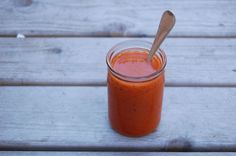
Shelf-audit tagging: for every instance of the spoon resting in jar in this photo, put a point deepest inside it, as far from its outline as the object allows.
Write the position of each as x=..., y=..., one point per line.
x=166, y=24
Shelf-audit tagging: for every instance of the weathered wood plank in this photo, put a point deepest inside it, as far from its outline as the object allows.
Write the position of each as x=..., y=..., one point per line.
x=66, y=61
x=75, y=118
x=114, y=18
x=17, y=153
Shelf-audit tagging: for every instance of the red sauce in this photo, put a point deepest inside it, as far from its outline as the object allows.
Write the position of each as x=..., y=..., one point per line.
x=134, y=64
x=135, y=107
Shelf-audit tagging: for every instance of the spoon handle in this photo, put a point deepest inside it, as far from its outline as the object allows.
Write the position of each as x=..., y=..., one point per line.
x=166, y=24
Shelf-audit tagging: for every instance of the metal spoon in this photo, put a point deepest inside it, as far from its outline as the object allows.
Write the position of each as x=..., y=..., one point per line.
x=166, y=24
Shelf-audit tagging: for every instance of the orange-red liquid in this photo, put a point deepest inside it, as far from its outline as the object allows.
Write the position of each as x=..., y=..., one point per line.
x=135, y=107
x=134, y=64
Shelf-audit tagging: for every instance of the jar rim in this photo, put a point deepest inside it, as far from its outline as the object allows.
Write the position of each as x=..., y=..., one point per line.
x=153, y=75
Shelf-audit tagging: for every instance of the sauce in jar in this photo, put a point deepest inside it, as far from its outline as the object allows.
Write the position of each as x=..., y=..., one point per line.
x=135, y=92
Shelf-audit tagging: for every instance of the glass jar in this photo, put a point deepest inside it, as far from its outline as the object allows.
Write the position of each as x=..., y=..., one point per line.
x=135, y=103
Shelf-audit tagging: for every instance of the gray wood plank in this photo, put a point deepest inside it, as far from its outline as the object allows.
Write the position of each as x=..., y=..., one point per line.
x=75, y=118
x=67, y=61
x=115, y=18
x=17, y=153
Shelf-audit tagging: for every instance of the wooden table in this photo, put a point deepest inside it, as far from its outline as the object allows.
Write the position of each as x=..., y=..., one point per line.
x=53, y=97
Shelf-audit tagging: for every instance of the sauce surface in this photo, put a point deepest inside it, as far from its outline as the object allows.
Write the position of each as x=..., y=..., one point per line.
x=134, y=64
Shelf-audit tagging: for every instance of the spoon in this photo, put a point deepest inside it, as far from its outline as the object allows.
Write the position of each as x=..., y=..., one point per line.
x=166, y=24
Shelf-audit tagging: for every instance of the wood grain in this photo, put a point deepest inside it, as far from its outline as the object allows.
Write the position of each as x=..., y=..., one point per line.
x=17, y=153
x=115, y=18
x=66, y=61
x=75, y=118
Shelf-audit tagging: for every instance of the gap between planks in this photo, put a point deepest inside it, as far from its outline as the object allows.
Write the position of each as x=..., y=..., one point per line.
x=114, y=149
x=117, y=36
x=56, y=153
x=100, y=84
